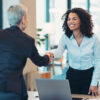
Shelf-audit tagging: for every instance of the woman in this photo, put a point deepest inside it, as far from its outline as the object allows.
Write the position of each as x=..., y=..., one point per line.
x=15, y=48
x=83, y=53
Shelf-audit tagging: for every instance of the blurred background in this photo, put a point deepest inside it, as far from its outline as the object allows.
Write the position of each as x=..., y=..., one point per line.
x=51, y=11
x=45, y=25
x=48, y=19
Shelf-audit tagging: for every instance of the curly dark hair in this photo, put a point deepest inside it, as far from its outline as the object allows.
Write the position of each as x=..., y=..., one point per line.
x=86, y=22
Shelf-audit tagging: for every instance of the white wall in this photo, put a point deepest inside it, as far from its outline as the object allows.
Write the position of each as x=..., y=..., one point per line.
x=40, y=13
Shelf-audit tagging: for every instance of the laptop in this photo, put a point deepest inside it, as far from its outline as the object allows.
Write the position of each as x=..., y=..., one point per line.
x=51, y=89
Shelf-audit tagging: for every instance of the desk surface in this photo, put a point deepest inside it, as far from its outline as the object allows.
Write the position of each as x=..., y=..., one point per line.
x=86, y=97
x=33, y=95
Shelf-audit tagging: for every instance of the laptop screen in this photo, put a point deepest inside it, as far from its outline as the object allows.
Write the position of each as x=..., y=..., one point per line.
x=50, y=89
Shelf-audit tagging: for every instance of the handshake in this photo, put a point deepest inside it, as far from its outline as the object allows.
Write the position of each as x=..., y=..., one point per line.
x=51, y=56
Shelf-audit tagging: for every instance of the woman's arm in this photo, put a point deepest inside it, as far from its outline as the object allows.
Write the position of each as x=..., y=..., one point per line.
x=61, y=48
x=96, y=73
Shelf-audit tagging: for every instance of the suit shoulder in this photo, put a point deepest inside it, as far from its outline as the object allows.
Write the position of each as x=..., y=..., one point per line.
x=29, y=37
x=4, y=31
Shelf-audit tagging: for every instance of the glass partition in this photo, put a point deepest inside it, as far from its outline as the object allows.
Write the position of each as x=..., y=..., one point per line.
x=79, y=3
x=95, y=12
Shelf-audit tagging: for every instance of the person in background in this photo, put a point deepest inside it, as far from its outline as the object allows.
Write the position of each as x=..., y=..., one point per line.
x=15, y=47
x=83, y=51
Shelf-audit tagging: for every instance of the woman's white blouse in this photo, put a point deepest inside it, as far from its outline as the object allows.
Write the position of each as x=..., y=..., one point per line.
x=81, y=57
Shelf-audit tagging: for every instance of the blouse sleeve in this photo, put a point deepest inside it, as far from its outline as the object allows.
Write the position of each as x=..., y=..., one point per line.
x=61, y=48
x=96, y=72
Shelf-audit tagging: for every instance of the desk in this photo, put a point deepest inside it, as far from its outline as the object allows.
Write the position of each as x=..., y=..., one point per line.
x=85, y=96
x=33, y=95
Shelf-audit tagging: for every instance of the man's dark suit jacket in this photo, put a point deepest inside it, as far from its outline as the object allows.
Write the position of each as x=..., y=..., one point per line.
x=15, y=48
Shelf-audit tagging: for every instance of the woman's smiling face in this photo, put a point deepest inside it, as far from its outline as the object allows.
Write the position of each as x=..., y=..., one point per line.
x=73, y=22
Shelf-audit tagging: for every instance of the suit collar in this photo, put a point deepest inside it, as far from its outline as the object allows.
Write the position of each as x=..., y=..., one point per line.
x=15, y=28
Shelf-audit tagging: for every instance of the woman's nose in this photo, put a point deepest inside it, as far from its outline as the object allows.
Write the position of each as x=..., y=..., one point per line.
x=71, y=21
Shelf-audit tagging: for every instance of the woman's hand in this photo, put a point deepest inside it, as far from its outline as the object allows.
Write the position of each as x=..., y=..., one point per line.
x=93, y=90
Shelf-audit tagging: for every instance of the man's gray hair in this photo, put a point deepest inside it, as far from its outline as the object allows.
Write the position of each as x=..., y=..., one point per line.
x=15, y=14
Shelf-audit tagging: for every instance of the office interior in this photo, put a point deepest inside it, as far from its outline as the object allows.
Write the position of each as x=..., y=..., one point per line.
x=45, y=25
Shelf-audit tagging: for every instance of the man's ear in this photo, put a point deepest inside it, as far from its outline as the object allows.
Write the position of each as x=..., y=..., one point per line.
x=23, y=20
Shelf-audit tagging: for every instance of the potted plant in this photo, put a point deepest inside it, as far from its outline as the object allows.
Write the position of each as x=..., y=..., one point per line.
x=41, y=37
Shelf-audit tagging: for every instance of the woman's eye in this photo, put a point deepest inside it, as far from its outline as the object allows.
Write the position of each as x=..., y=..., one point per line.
x=74, y=18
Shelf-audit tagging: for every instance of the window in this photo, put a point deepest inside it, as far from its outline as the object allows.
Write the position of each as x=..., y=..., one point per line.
x=57, y=9
x=95, y=12
x=79, y=3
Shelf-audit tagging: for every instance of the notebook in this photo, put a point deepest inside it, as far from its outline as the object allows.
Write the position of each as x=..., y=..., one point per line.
x=51, y=89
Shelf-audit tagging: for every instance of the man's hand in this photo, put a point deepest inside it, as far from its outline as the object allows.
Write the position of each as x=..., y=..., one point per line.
x=93, y=90
x=51, y=56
